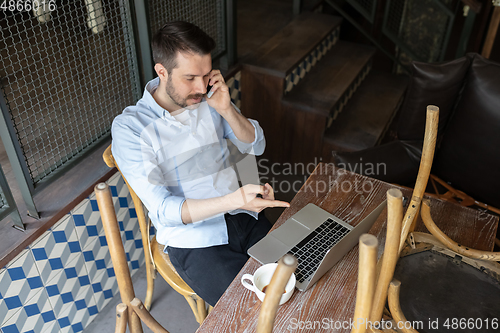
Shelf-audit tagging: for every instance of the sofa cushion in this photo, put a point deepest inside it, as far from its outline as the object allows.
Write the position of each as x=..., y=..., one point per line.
x=469, y=154
x=430, y=84
x=394, y=162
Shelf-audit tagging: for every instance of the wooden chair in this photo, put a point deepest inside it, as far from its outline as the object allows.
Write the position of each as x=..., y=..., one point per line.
x=156, y=259
x=131, y=311
x=450, y=243
x=372, y=292
x=424, y=171
x=400, y=230
x=371, y=298
x=398, y=227
x=456, y=196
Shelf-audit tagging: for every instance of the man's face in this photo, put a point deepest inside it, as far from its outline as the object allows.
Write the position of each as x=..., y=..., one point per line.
x=188, y=81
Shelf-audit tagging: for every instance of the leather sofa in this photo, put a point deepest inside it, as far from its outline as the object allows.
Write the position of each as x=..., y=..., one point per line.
x=467, y=156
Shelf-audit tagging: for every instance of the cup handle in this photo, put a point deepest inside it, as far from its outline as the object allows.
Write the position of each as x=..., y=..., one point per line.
x=245, y=283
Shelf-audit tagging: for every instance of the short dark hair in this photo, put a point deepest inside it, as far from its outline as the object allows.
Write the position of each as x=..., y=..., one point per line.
x=179, y=36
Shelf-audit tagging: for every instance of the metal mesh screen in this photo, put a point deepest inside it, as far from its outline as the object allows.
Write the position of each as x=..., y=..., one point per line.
x=366, y=4
x=3, y=201
x=206, y=14
x=420, y=26
x=5, y=196
x=365, y=7
x=66, y=71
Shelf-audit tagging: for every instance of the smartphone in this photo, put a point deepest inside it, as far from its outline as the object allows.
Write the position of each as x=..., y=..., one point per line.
x=209, y=93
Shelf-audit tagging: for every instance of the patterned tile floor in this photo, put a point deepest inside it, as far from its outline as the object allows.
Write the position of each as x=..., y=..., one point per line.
x=63, y=279
x=169, y=308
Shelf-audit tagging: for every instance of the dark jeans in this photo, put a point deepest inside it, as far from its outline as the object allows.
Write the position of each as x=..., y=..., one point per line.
x=209, y=271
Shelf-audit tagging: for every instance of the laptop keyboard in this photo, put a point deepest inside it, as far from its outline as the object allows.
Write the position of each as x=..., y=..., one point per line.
x=311, y=250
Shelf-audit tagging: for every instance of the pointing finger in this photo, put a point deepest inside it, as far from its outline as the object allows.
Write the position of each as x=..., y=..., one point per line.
x=277, y=203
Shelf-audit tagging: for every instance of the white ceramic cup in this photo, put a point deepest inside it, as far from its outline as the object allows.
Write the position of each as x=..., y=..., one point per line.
x=262, y=277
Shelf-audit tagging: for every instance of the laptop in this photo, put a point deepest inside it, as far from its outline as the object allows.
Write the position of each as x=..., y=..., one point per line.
x=317, y=238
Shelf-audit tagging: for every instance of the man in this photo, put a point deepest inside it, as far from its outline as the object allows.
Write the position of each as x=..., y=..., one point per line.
x=172, y=149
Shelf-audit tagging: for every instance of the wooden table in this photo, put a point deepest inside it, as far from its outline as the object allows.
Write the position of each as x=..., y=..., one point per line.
x=330, y=302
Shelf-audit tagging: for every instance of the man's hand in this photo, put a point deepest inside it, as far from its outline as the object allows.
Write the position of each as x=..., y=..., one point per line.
x=220, y=100
x=246, y=198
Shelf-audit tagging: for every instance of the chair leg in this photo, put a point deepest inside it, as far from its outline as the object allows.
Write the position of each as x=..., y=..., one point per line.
x=121, y=318
x=146, y=317
x=430, y=137
x=113, y=238
x=202, y=309
x=395, y=307
x=194, y=307
x=391, y=254
x=367, y=268
x=150, y=276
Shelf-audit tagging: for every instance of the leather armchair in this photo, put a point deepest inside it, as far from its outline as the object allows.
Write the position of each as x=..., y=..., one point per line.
x=467, y=91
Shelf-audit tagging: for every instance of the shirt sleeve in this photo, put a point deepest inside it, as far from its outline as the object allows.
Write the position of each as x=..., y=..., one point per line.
x=259, y=143
x=138, y=164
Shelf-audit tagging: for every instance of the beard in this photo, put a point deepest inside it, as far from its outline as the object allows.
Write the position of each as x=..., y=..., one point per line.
x=176, y=98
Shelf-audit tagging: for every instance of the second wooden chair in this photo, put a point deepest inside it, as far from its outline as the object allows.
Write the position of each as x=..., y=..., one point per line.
x=156, y=259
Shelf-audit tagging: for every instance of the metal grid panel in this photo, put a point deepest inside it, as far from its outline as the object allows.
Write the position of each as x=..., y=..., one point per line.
x=7, y=204
x=365, y=7
x=420, y=27
x=3, y=202
x=66, y=72
x=366, y=4
x=207, y=14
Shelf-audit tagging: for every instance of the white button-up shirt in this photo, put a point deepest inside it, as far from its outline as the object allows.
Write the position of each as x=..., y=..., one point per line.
x=166, y=161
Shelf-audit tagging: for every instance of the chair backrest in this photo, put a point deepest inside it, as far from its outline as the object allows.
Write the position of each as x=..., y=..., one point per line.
x=153, y=250
x=144, y=224
x=117, y=252
x=136, y=311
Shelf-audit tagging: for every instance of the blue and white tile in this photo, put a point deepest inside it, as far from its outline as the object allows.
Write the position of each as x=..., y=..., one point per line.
x=135, y=254
x=87, y=221
x=97, y=257
x=234, y=84
x=52, y=328
x=114, y=179
x=36, y=315
x=116, y=184
x=132, y=240
x=19, y=283
x=56, y=249
x=298, y=73
x=76, y=316
x=124, y=197
x=64, y=288
x=104, y=287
